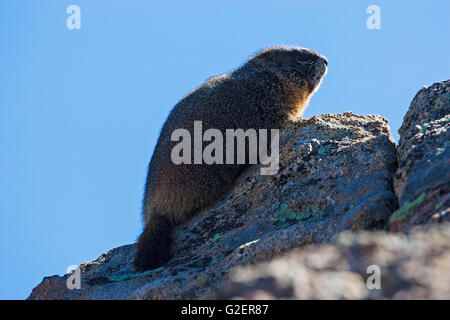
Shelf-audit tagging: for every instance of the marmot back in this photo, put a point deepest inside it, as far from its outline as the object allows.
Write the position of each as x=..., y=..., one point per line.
x=273, y=87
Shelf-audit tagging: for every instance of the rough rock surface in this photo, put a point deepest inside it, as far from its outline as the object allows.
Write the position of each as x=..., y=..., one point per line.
x=422, y=181
x=413, y=266
x=335, y=174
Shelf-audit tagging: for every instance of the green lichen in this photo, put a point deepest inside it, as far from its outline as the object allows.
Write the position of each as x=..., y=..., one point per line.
x=423, y=128
x=217, y=237
x=406, y=209
x=305, y=214
x=246, y=260
x=259, y=179
x=133, y=275
x=442, y=100
x=317, y=215
x=310, y=213
x=285, y=212
x=440, y=204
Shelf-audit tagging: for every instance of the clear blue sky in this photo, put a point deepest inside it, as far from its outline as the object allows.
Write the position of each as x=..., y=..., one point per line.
x=80, y=110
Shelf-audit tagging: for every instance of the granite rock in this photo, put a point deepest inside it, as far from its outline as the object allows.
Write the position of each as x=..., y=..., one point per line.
x=422, y=181
x=336, y=174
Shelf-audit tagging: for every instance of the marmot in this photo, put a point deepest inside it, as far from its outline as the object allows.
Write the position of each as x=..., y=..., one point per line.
x=273, y=87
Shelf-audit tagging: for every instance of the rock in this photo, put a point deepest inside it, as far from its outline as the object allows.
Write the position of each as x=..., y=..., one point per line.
x=422, y=181
x=336, y=174
x=413, y=266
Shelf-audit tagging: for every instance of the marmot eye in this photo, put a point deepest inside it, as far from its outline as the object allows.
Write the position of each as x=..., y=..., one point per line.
x=305, y=57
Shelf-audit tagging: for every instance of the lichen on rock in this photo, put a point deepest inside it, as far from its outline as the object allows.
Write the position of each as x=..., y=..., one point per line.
x=338, y=173
x=323, y=169
x=424, y=160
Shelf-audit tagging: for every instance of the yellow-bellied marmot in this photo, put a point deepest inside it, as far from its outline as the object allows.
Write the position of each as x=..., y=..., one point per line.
x=273, y=87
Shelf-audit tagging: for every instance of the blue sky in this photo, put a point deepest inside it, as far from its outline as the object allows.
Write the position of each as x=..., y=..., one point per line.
x=80, y=110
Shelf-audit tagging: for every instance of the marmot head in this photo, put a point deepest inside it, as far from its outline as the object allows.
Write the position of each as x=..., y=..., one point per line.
x=299, y=66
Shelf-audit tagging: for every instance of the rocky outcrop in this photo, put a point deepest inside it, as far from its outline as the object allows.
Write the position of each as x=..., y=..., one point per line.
x=335, y=175
x=277, y=236
x=413, y=266
x=422, y=181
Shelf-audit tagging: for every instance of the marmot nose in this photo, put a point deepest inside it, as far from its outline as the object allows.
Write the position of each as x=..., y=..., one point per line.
x=324, y=60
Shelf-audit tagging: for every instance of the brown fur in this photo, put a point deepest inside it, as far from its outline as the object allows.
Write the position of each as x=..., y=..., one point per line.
x=273, y=87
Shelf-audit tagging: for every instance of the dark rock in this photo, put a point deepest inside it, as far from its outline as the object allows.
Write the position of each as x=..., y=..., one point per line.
x=422, y=181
